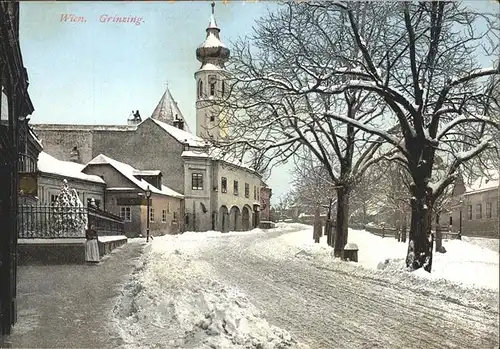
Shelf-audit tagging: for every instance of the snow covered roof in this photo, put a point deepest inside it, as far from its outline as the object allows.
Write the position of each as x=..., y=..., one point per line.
x=35, y=137
x=195, y=154
x=230, y=158
x=75, y=127
x=128, y=172
x=211, y=67
x=181, y=135
x=49, y=164
x=147, y=173
x=484, y=183
x=212, y=41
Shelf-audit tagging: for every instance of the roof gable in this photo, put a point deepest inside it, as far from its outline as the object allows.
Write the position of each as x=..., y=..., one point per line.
x=168, y=111
x=49, y=164
x=128, y=172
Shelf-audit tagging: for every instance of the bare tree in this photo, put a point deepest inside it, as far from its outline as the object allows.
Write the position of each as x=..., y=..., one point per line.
x=396, y=193
x=367, y=194
x=291, y=53
x=312, y=184
x=285, y=203
x=424, y=67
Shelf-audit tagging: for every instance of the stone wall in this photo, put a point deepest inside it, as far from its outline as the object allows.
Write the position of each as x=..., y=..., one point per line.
x=59, y=140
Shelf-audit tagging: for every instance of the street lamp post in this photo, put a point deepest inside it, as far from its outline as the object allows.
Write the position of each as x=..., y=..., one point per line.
x=460, y=221
x=148, y=195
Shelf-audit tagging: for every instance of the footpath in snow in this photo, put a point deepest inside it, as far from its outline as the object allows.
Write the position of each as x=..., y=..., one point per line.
x=469, y=262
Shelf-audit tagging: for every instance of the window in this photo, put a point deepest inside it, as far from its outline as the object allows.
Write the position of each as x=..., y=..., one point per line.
x=197, y=181
x=247, y=190
x=212, y=80
x=451, y=220
x=168, y=206
x=175, y=215
x=200, y=88
x=164, y=216
x=479, y=211
x=151, y=215
x=235, y=187
x=254, y=192
x=469, y=212
x=212, y=117
x=488, y=210
x=125, y=214
x=53, y=198
x=223, y=185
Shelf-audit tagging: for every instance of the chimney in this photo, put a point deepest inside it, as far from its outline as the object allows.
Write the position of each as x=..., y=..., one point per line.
x=134, y=118
x=179, y=123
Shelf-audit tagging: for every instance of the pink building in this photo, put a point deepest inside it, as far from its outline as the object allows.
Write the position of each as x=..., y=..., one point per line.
x=265, y=202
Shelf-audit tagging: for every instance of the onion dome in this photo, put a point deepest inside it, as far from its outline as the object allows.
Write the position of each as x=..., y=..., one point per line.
x=212, y=50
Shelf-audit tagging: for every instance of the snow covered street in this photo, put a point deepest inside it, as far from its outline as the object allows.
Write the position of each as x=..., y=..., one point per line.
x=276, y=289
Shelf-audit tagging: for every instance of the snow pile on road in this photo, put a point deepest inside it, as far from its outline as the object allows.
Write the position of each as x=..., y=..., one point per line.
x=465, y=263
x=174, y=300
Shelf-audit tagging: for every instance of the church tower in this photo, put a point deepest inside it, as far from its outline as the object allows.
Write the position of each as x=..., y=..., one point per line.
x=210, y=84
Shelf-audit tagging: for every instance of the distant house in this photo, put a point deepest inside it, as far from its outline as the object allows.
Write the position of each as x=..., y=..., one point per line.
x=125, y=196
x=52, y=172
x=265, y=201
x=479, y=204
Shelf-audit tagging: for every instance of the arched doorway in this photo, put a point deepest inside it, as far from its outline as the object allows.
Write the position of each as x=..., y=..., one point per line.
x=235, y=219
x=223, y=223
x=245, y=218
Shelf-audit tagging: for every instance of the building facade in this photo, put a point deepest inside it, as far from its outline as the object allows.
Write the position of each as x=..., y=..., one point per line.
x=125, y=196
x=265, y=202
x=15, y=106
x=164, y=142
x=475, y=207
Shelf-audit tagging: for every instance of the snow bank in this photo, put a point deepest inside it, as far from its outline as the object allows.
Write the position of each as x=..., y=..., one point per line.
x=110, y=238
x=491, y=244
x=464, y=263
x=175, y=300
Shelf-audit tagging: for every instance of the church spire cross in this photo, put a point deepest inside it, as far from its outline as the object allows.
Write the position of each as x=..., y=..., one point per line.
x=213, y=7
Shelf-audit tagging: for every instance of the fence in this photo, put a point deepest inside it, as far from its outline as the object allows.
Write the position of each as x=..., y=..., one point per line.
x=47, y=221
x=392, y=232
x=105, y=223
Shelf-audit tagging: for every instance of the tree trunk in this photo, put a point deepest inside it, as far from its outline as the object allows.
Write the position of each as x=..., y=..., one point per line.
x=328, y=226
x=398, y=228
x=316, y=226
x=439, y=236
x=404, y=227
x=342, y=221
x=364, y=214
x=419, y=246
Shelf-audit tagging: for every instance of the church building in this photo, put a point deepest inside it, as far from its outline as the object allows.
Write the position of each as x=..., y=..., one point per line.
x=219, y=193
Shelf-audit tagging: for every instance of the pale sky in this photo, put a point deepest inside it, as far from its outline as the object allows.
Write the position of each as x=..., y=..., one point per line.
x=96, y=73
